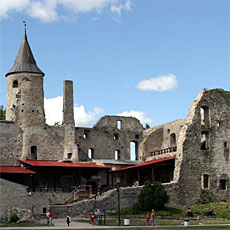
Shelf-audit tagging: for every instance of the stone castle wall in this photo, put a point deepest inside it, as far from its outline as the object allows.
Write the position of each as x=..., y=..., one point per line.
x=10, y=143
x=214, y=161
x=160, y=137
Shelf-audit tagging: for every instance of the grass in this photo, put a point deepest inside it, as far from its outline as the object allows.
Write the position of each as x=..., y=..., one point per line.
x=21, y=224
x=159, y=222
x=220, y=210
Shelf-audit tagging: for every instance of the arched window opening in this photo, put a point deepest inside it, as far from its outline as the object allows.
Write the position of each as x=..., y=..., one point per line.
x=204, y=115
x=206, y=181
x=204, y=140
x=15, y=84
x=173, y=140
x=90, y=153
x=33, y=151
x=133, y=151
x=119, y=124
x=117, y=155
x=69, y=155
x=116, y=136
x=85, y=135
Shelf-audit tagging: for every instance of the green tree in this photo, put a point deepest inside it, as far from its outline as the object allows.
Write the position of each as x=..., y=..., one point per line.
x=2, y=113
x=152, y=196
x=147, y=126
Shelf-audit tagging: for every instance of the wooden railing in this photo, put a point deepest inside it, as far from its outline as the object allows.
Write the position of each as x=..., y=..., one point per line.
x=163, y=151
x=102, y=191
x=81, y=192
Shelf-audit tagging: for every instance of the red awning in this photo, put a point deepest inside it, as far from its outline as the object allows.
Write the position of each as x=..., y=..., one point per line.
x=146, y=163
x=15, y=169
x=62, y=164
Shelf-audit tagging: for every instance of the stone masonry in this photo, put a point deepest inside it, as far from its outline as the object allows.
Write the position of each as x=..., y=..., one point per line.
x=199, y=143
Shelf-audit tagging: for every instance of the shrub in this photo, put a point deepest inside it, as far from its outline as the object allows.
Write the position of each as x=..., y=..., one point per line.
x=151, y=196
x=14, y=218
x=206, y=197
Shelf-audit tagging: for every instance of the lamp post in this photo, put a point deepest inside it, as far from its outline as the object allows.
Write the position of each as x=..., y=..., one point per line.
x=118, y=200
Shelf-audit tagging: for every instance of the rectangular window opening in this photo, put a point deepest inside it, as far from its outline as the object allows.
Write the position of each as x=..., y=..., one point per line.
x=223, y=184
x=206, y=181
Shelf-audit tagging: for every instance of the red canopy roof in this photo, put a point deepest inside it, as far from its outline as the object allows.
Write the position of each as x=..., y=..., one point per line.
x=62, y=164
x=15, y=169
x=146, y=163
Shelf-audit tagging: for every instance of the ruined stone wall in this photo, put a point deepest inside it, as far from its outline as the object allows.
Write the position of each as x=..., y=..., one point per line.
x=127, y=123
x=193, y=162
x=14, y=141
x=128, y=196
x=16, y=195
x=105, y=141
x=48, y=140
x=159, y=138
x=10, y=143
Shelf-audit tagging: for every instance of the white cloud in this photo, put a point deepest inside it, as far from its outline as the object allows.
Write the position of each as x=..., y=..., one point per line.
x=53, y=111
x=7, y=6
x=49, y=10
x=160, y=83
x=140, y=115
x=44, y=10
x=121, y=7
x=84, y=5
x=85, y=119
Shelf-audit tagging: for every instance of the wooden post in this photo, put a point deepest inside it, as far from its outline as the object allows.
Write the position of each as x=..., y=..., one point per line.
x=153, y=176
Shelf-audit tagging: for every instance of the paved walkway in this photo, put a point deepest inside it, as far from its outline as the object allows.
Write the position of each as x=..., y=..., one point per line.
x=61, y=224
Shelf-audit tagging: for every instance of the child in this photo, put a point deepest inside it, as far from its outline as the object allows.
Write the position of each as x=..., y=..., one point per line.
x=68, y=219
x=147, y=219
x=92, y=218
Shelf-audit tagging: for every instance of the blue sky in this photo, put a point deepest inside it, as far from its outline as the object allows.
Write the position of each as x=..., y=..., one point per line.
x=147, y=59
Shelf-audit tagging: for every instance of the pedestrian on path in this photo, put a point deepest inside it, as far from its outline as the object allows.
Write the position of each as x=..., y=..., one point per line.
x=51, y=218
x=147, y=219
x=152, y=217
x=92, y=218
x=68, y=219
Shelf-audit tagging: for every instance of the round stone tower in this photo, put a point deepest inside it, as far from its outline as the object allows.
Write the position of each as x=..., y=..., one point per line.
x=25, y=95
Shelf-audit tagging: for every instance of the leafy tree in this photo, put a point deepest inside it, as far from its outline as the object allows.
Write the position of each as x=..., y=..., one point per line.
x=147, y=126
x=152, y=196
x=2, y=113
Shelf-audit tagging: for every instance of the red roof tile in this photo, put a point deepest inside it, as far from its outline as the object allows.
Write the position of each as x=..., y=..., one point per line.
x=62, y=164
x=15, y=169
x=146, y=163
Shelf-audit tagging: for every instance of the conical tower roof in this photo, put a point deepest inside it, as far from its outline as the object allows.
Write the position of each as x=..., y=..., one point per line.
x=25, y=61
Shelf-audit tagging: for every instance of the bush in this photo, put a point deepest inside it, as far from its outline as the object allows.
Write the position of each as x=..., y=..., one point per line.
x=14, y=218
x=206, y=197
x=151, y=196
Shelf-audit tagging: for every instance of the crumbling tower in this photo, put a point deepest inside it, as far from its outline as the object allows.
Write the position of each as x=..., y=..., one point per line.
x=70, y=147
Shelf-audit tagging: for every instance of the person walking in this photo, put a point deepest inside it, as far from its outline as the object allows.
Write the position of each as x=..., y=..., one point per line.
x=47, y=217
x=51, y=218
x=147, y=219
x=152, y=217
x=68, y=219
x=92, y=218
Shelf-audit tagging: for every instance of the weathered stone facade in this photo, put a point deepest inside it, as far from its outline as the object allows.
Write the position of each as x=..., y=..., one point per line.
x=199, y=143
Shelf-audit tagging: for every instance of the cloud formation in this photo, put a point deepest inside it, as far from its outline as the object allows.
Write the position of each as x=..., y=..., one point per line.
x=140, y=115
x=160, y=83
x=49, y=10
x=53, y=111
